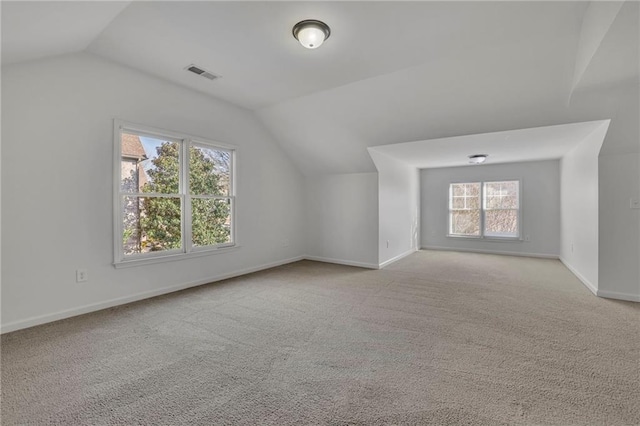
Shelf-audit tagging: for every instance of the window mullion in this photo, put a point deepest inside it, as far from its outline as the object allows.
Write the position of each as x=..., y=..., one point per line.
x=118, y=227
x=150, y=194
x=210, y=197
x=232, y=203
x=482, y=209
x=186, y=198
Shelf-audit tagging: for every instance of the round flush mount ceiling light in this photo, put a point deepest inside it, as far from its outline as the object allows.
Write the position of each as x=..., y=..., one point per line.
x=478, y=158
x=311, y=33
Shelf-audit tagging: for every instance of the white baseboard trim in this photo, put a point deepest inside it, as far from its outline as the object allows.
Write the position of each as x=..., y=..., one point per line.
x=68, y=313
x=342, y=262
x=588, y=284
x=398, y=257
x=502, y=253
x=619, y=296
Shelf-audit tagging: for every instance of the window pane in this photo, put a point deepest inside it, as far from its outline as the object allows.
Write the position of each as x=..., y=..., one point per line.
x=131, y=235
x=457, y=189
x=465, y=203
x=493, y=202
x=510, y=202
x=209, y=171
x=509, y=187
x=465, y=189
x=501, y=223
x=162, y=169
x=457, y=203
x=465, y=222
x=211, y=221
x=473, y=202
x=149, y=165
x=491, y=189
x=133, y=155
x=464, y=196
x=151, y=224
x=473, y=189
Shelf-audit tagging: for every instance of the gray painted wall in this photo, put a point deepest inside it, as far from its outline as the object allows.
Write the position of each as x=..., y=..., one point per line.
x=342, y=219
x=398, y=208
x=579, y=208
x=540, y=201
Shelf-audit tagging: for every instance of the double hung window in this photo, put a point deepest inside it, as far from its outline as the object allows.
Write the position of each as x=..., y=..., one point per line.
x=485, y=209
x=464, y=209
x=175, y=194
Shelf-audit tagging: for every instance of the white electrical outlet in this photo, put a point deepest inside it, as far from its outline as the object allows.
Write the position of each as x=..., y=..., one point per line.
x=527, y=238
x=634, y=203
x=81, y=275
x=387, y=243
x=285, y=242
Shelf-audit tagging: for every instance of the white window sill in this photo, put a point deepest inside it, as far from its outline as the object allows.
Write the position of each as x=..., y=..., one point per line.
x=128, y=263
x=482, y=238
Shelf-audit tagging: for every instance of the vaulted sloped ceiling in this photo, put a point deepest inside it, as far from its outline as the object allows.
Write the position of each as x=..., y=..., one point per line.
x=38, y=29
x=391, y=72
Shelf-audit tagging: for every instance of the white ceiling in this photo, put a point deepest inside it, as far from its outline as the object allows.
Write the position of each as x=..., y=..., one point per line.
x=512, y=146
x=618, y=57
x=32, y=30
x=251, y=46
x=391, y=72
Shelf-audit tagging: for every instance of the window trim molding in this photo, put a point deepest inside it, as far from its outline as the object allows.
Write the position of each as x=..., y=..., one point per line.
x=188, y=250
x=482, y=237
x=162, y=258
x=449, y=234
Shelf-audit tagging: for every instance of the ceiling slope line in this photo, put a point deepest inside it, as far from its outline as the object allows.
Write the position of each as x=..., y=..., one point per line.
x=125, y=5
x=597, y=21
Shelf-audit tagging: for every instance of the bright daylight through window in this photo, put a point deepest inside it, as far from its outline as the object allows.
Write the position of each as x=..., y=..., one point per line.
x=175, y=194
x=485, y=209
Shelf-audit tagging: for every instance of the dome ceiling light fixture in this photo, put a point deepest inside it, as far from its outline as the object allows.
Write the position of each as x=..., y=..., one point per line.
x=478, y=158
x=311, y=33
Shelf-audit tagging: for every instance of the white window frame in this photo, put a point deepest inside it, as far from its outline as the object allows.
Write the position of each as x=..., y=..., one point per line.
x=482, y=235
x=449, y=203
x=187, y=250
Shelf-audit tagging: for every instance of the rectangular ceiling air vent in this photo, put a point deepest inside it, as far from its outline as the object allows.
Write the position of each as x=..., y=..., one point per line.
x=201, y=72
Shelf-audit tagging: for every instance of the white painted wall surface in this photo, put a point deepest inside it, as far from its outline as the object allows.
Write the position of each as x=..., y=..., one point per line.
x=619, y=181
x=619, y=276
x=579, y=208
x=57, y=194
x=540, y=197
x=399, y=208
x=342, y=218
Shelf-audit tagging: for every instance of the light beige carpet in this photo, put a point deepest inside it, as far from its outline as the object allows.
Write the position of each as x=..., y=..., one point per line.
x=437, y=338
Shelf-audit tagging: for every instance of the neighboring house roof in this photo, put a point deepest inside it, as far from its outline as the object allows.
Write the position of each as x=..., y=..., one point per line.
x=132, y=147
x=142, y=177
